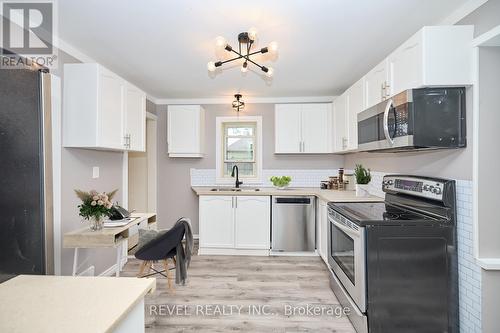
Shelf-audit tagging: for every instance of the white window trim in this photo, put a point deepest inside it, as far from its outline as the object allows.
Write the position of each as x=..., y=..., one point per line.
x=219, y=134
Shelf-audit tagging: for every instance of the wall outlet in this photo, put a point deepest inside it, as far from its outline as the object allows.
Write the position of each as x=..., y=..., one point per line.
x=95, y=172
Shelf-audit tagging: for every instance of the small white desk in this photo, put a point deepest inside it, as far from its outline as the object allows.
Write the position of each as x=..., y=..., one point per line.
x=107, y=238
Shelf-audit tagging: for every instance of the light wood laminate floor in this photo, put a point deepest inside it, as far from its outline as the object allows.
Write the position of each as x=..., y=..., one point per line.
x=226, y=293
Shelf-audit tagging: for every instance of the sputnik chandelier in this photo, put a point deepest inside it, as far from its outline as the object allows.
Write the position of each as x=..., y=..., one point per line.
x=238, y=104
x=245, y=40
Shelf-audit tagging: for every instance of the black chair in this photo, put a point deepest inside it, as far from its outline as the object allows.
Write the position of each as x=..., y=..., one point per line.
x=161, y=248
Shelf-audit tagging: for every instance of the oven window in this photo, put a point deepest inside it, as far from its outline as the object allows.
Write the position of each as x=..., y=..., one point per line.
x=343, y=251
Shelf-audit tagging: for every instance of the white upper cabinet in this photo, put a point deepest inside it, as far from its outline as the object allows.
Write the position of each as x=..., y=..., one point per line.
x=316, y=128
x=101, y=110
x=434, y=56
x=110, y=110
x=355, y=104
x=376, y=82
x=185, y=132
x=340, y=124
x=135, y=118
x=288, y=128
x=303, y=128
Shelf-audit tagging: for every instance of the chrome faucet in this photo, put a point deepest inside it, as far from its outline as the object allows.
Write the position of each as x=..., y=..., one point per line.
x=238, y=182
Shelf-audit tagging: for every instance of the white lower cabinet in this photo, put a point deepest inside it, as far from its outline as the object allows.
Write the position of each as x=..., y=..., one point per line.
x=252, y=222
x=216, y=221
x=235, y=224
x=322, y=230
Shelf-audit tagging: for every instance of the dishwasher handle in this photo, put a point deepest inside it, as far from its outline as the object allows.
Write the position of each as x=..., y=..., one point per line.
x=293, y=200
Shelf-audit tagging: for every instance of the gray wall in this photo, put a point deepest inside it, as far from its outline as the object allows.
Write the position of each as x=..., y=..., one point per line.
x=175, y=197
x=77, y=174
x=485, y=18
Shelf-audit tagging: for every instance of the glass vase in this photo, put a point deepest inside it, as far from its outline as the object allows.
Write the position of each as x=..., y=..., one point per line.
x=96, y=223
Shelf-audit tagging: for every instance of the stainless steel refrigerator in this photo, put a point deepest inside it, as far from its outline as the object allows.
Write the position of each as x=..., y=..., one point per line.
x=26, y=216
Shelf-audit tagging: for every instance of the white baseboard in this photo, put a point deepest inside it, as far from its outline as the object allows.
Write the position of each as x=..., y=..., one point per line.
x=293, y=254
x=232, y=252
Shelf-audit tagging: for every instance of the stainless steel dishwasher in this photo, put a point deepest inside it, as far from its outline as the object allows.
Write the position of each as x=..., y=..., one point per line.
x=293, y=224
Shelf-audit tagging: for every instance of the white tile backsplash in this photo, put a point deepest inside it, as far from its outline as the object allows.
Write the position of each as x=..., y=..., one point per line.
x=300, y=178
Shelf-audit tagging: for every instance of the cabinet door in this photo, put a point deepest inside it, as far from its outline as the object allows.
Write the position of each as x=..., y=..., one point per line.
x=316, y=128
x=135, y=109
x=216, y=221
x=287, y=128
x=375, y=80
x=340, y=123
x=184, y=130
x=110, y=113
x=355, y=104
x=253, y=222
x=406, y=66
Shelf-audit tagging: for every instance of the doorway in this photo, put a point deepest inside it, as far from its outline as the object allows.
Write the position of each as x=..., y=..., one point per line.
x=142, y=172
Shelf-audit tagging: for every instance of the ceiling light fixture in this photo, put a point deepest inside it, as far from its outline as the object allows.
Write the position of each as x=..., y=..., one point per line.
x=238, y=104
x=245, y=41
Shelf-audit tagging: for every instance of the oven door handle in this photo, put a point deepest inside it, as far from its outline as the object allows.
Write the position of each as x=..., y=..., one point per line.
x=386, y=122
x=347, y=230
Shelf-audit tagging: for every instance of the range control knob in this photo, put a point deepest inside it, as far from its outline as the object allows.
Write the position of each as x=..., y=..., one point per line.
x=437, y=190
x=390, y=182
x=426, y=188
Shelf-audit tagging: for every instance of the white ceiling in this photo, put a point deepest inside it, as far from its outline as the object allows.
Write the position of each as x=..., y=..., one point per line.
x=163, y=46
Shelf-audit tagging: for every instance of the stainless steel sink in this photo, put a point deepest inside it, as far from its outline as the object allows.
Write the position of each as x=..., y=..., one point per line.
x=233, y=189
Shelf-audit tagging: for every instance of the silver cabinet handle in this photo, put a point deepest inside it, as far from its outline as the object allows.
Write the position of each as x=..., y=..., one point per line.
x=232, y=202
x=236, y=202
x=387, y=90
x=300, y=146
x=382, y=90
x=344, y=142
x=303, y=146
x=126, y=139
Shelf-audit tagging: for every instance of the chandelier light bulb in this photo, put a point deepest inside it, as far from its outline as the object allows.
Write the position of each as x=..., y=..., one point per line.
x=252, y=33
x=273, y=47
x=270, y=72
x=244, y=67
x=211, y=66
x=220, y=42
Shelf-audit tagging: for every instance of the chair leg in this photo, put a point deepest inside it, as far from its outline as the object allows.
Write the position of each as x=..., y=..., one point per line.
x=142, y=268
x=148, y=265
x=169, y=274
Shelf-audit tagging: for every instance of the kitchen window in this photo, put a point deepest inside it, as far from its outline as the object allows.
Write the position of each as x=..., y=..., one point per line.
x=239, y=143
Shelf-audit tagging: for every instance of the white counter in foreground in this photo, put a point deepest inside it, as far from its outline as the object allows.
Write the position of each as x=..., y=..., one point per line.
x=52, y=304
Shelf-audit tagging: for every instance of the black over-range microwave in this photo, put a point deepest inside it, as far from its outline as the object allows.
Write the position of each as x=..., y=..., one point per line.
x=427, y=118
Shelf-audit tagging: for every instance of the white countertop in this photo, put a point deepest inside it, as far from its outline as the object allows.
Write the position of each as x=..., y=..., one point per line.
x=327, y=195
x=52, y=304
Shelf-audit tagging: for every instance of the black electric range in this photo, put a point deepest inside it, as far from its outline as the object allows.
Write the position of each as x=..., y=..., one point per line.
x=396, y=261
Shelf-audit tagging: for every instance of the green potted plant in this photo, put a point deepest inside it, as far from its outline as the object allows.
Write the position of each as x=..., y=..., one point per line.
x=281, y=182
x=363, y=177
x=95, y=207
